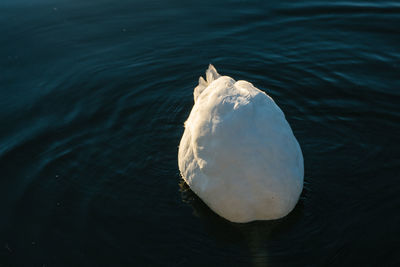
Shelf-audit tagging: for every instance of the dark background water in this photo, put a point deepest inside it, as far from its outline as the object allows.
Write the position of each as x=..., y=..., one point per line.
x=93, y=96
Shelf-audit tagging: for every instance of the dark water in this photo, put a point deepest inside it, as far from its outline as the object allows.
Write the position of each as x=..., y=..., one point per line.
x=93, y=96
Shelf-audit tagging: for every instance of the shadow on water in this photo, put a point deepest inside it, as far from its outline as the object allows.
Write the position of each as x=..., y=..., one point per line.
x=255, y=235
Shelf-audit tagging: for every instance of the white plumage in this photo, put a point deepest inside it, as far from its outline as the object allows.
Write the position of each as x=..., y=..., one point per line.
x=238, y=152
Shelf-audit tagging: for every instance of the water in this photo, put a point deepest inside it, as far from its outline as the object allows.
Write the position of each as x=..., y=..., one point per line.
x=93, y=96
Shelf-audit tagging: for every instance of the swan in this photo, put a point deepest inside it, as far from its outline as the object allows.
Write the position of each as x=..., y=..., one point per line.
x=238, y=152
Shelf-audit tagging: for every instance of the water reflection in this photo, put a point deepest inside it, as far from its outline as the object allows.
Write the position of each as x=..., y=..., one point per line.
x=255, y=235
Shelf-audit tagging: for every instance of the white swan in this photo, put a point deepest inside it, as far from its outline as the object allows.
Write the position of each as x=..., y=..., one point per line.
x=238, y=152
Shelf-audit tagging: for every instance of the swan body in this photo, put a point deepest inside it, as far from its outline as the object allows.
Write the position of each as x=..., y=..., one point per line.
x=238, y=152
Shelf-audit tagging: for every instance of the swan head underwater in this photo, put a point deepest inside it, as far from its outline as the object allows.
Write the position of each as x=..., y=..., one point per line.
x=238, y=152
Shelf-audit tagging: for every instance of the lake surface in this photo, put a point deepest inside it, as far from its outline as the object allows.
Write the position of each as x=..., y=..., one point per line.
x=93, y=97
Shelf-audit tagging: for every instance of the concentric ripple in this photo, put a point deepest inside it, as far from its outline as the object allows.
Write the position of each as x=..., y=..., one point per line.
x=93, y=97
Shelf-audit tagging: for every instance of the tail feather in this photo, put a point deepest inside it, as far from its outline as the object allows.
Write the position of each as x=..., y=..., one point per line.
x=211, y=75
